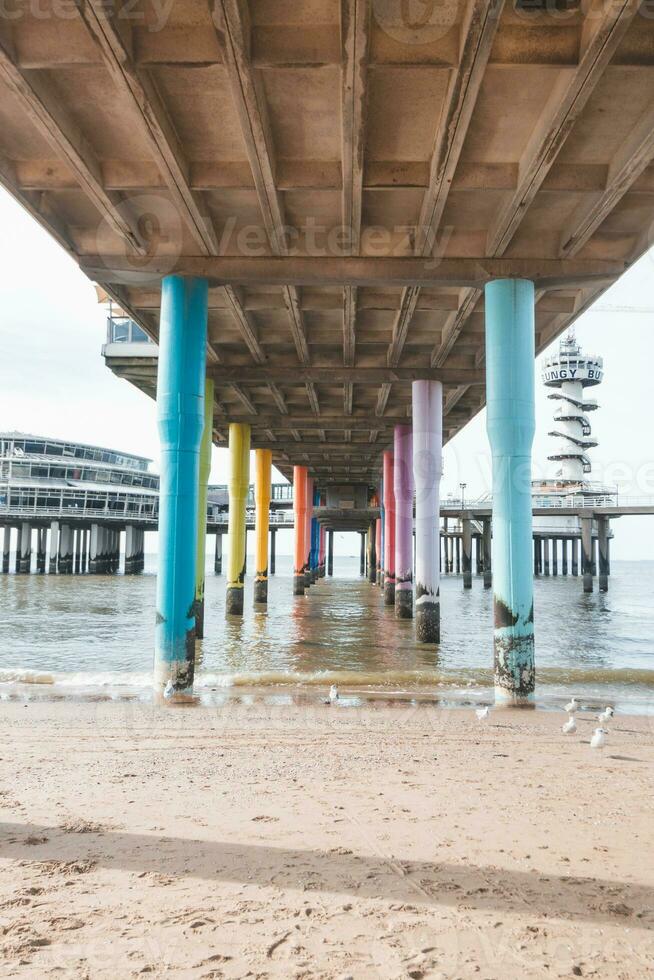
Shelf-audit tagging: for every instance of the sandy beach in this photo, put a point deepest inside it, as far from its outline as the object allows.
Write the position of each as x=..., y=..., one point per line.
x=322, y=842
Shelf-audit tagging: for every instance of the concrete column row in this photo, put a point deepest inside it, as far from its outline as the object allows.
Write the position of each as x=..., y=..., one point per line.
x=595, y=554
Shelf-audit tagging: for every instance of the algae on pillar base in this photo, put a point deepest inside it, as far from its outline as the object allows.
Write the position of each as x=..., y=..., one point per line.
x=239, y=485
x=510, y=346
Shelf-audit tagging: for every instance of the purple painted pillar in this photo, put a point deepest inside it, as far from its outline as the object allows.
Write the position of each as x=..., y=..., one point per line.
x=427, y=471
x=403, y=486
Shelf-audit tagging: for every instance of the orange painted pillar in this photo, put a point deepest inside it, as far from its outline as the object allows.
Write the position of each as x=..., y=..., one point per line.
x=300, y=515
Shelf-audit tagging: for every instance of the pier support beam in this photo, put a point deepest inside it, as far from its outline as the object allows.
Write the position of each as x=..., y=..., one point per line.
x=330, y=553
x=273, y=550
x=362, y=554
x=389, y=530
x=203, y=484
x=180, y=415
x=378, y=551
x=25, y=557
x=427, y=402
x=486, y=539
x=94, y=550
x=239, y=485
x=17, y=553
x=322, y=552
x=574, y=547
x=300, y=517
x=564, y=556
x=218, y=554
x=372, y=553
x=77, y=549
x=315, y=538
x=262, y=491
x=40, y=549
x=403, y=486
x=555, y=556
x=308, y=580
x=130, y=549
x=85, y=550
x=6, y=549
x=603, y=542
x=54, y=547
x=466, y=541
x=546, y=556
x=587, y=553
x=511, y=425
x=65, y=562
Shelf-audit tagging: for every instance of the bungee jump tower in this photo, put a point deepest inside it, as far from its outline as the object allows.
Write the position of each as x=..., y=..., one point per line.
x=569, y=373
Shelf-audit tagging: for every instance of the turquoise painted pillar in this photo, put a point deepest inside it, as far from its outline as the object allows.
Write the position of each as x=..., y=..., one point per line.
x=510, y=425
x=180, y=413
x=315, y=539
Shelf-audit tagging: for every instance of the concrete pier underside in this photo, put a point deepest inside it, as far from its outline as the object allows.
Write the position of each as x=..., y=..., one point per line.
x=344, y=229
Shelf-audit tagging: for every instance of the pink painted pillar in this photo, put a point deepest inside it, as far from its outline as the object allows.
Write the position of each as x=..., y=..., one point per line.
x=389, y=530
x=403, y=486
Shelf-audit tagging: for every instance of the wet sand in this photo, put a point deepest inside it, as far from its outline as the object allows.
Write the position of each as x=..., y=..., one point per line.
x=322, y=842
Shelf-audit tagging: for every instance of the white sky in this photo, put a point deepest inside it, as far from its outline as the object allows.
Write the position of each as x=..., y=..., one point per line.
x=53, y=380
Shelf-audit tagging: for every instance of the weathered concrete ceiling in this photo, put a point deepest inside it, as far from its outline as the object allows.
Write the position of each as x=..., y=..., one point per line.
x=347, y=178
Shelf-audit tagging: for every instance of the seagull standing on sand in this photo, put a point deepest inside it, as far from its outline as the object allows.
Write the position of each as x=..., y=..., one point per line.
x=571, y=706
x=606, y=715
x=169, y=691
x=598, y=741
x=333, y=695
x=570, y=726
x=482, y=713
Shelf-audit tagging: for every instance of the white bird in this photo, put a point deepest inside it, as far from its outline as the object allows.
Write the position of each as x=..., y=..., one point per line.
x=606, y=715
x=333, y=695
x=169, y=690
x=571, y=706
x=598, y=741
x=482, y=713
x=570, y=726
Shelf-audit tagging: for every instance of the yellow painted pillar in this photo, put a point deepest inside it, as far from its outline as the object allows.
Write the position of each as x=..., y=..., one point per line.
x=205, y=470
x=262, y=491
x=239, y=483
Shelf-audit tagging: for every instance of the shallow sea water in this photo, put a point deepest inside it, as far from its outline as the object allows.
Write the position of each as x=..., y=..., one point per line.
x=92, y=636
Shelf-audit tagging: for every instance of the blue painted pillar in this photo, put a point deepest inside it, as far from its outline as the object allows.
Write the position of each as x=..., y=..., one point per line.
x=511, y=424
x=180, y=413
x=315, y=538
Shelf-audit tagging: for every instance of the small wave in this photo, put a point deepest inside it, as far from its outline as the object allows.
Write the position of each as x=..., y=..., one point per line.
x=20, y=676
x=389, y=679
